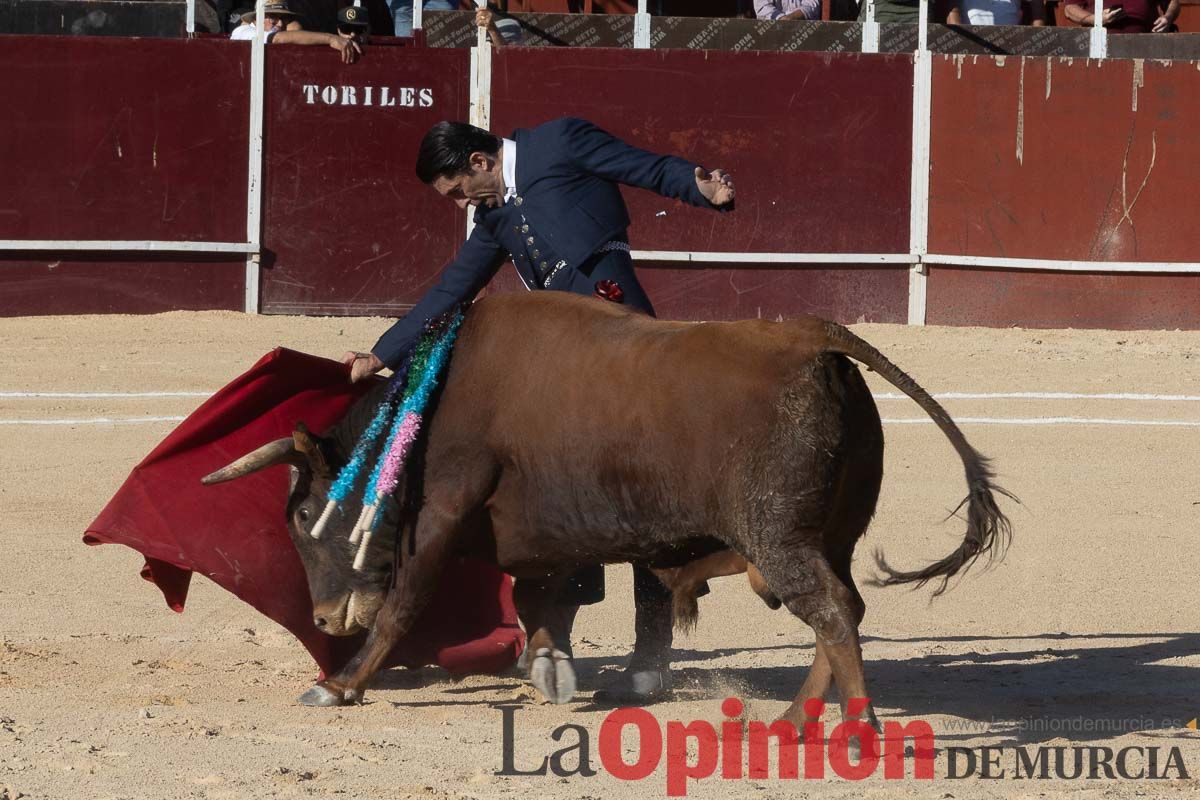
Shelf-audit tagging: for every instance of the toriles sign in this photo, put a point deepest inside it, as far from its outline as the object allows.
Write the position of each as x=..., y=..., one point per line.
x=381, y=96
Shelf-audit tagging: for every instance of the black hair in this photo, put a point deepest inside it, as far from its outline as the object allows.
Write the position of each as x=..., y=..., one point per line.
x=447, y=147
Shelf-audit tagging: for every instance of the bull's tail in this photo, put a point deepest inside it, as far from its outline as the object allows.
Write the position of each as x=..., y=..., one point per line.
x=988, y=530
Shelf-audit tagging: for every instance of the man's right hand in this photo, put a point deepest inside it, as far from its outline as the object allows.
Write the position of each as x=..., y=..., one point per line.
x=362, y=365
x=348, y=48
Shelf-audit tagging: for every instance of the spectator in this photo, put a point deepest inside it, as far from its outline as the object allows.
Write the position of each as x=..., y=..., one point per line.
x=281, y=27
x=892, y=11
x=402, y=12
x=276, y=17
x=354, y=23
x=1128, y=16
x=994, y=12
x=787, y=9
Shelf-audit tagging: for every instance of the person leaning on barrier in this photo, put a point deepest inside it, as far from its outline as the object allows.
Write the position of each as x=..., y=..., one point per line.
x=994, y=12
x=1126, y=16
x=787, y=9
x=281, y=27
x=549, y=198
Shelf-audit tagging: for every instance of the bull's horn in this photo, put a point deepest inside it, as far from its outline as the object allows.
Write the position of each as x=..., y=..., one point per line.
x=280, y=451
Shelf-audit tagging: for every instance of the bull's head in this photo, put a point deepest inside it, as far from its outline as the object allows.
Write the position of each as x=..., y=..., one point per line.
x=344, y=600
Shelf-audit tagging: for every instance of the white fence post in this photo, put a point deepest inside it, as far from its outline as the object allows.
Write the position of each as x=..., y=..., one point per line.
x=870, y=30
x=918, y=231
x=481, y=92
x=255, y=166
x=641, y=27
x=1098, y=40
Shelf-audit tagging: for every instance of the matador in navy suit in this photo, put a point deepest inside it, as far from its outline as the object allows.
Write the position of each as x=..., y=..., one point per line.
x=549, y=199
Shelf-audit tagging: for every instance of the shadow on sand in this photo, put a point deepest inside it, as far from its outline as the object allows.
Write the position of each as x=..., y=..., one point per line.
x=1080, y=687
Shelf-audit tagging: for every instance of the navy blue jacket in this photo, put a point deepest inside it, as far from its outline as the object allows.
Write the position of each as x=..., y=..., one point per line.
x=567, y=206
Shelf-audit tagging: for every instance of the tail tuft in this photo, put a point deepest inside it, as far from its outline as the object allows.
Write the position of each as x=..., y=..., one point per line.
x=988, y=533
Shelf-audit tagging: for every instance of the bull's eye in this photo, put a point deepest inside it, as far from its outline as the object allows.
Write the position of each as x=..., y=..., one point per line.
x=303, y=514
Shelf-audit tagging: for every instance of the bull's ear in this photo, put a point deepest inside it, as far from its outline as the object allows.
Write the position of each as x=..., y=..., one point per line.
x=310, y=447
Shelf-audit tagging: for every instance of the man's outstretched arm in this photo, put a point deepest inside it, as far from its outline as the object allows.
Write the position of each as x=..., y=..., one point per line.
x=600, y=153
x=460, y=281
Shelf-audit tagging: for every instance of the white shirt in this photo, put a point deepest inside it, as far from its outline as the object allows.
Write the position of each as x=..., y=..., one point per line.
x=245, y=33
x=508, y=168
x=992, y=12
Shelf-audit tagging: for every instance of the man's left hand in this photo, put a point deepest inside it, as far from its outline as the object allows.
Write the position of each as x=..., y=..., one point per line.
x=717, y=187
x=1161, y=25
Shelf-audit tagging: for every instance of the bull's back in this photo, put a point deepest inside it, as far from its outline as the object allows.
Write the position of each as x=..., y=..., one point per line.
x=607, y=420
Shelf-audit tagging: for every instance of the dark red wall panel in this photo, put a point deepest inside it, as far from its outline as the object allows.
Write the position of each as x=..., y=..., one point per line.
x=1063, y=159
x=818, y=144
x=118, y=284
x=107, y=138
x=348, y=228
x=1035, y=299
x=847, y=293
x=721, y=292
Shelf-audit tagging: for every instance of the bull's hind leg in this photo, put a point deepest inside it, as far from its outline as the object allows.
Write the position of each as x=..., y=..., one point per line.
x=647, y=677
x=857, y=491
x=548, y=626
x=811, y=590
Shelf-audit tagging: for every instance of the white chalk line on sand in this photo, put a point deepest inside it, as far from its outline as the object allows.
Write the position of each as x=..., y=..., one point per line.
x=1160, y=398
x=104, y=394
x=91, y=421
x=1175, y=423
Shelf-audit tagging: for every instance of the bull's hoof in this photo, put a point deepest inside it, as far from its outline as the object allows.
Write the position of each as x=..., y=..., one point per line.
x=553, y=675
x=636, y=688
x=855, y=749
x=321, y=697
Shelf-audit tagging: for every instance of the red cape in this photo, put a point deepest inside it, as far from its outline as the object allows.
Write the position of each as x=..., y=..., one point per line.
x=235, y=533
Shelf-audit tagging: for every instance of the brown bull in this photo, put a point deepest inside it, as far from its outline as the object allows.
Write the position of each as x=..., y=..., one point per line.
x=572, y=432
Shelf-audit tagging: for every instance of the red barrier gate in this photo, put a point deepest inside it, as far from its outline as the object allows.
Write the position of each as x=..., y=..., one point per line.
x=1046, y=176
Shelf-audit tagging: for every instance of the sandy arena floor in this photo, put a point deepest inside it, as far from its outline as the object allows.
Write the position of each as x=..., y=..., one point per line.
x=1087, y=634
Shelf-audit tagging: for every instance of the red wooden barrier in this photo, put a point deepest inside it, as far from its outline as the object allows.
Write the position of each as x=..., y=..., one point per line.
x=147, y=139
x=122, y=139
x=820, y=145
x=1063, y=160
x=348, y=228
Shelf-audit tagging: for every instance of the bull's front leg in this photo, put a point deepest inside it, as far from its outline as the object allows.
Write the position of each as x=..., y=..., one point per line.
x=548, y=626
x=415, y=584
